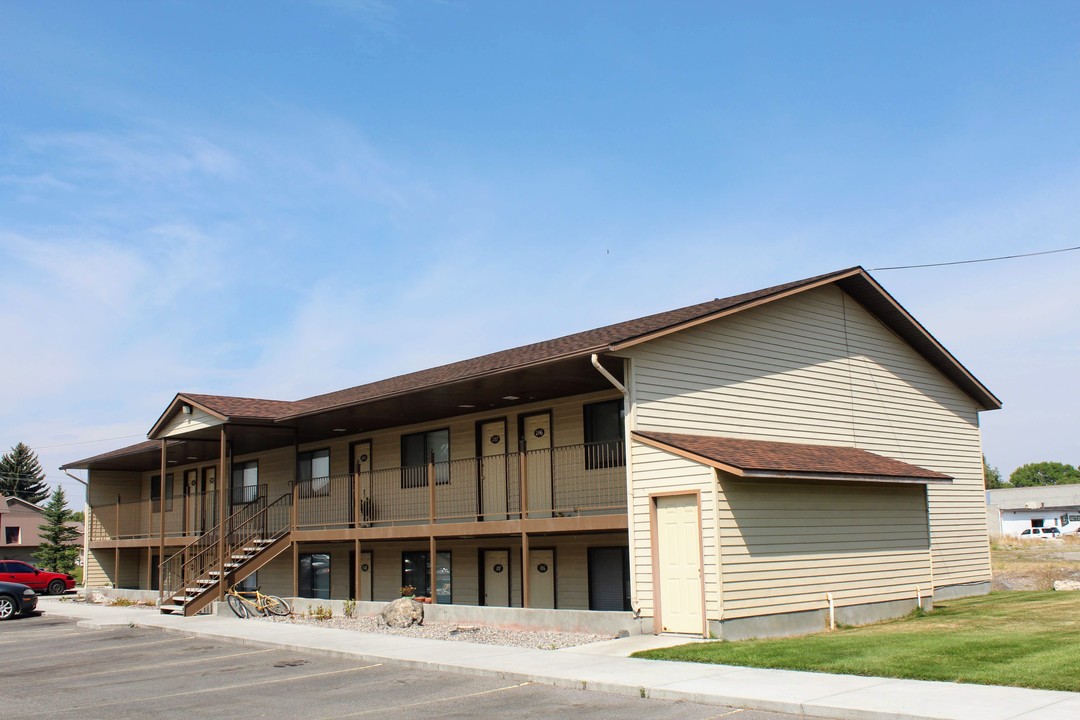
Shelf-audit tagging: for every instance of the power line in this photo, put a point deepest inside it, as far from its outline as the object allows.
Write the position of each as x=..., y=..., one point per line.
x=980, y=260
x=84, y=442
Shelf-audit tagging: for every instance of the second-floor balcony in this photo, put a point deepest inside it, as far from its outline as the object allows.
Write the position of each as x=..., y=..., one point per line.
x=569, y=481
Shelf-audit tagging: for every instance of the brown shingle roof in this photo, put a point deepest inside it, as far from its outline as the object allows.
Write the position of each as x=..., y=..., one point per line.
x=135, y=449
x=241, y=407
x=765, y=458
x=582, y=343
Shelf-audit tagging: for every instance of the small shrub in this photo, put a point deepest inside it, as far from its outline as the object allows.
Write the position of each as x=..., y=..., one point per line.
x=350, y=608
x=122, y=602
x=320, y=612
x=407, y=591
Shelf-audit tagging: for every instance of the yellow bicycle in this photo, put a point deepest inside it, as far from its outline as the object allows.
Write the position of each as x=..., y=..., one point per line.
x=246, y=603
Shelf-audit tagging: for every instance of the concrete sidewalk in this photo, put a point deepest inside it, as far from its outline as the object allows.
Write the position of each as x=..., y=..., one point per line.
x=605, y=667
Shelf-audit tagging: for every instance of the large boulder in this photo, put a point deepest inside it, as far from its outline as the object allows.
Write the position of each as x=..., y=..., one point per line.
x=402, y=613
x=1067, y=584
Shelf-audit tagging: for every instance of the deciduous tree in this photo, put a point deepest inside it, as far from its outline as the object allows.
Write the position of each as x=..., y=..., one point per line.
x=1044, y=473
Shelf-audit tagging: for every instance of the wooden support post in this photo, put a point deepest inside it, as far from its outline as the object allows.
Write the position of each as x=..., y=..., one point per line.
x=116, y=552
x=433, y=573
x=357, y=564
x=161, y=513
x=222, y=491
x=295, y=482
x=523, y=479
x=431, y=488
x=295, y=568
x=357, y=519
x=524, y=569
x=116, y=527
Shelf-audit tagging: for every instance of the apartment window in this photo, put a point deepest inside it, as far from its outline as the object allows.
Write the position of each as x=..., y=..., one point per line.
x=314, y=580
x=13, y=535
x=416, y=571
x=155, y=492
x=604, y=435
x=417, y=450
x=245, y=482
x=313, y=472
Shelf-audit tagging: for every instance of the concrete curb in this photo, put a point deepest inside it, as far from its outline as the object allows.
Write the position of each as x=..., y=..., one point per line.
x=841, y=697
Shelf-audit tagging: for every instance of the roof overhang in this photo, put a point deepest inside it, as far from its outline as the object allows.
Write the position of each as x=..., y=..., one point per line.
x=819, y=463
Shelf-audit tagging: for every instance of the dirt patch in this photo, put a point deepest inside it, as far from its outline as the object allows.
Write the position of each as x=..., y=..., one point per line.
x=1034, y=564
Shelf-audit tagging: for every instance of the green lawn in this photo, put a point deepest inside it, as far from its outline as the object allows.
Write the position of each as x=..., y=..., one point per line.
x=1025, y=639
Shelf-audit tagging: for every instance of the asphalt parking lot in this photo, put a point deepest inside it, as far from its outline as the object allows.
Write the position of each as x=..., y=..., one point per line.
x=52, y=667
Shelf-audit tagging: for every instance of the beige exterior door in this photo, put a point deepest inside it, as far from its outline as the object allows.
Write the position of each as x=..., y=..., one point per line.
x=536, y=430
x=497, y=578
x=493, y=476
x=365, y=576
x=542, y=578
x=678, y=539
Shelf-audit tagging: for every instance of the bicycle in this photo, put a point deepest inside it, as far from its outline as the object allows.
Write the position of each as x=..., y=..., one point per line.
x=246, y=603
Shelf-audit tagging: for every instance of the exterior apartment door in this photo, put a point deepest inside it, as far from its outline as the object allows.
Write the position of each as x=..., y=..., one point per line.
x=497, y=578
x=493, y=477
x=542, y=578
x=192, y=500
x=536, y=438
x=678, y=539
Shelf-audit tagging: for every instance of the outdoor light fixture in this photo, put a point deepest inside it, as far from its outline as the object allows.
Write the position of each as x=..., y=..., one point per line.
x=511, y=397
x=186, y=409
x=466, y=406
x=340, y=429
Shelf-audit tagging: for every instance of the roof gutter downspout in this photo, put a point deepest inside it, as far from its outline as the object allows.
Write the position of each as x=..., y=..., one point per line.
x=610, y=378
x=634, y=604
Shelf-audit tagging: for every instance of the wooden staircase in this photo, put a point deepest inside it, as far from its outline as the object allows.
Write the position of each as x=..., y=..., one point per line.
x=254, y=535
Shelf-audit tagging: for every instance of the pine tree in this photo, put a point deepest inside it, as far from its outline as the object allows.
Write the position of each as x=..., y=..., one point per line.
x=57, y=551
x=21, y=475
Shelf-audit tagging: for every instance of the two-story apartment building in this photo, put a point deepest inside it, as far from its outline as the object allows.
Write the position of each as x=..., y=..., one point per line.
x=745, y=466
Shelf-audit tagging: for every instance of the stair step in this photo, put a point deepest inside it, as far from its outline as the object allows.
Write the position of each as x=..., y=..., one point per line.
x=172, y=609
x=206, y=581
x=180, y=599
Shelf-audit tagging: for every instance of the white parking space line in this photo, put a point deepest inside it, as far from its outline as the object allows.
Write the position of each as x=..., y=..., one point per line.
x=399, y=708
x=36, y=634
x=239, y=686
x=155, y=666
x=124, y=646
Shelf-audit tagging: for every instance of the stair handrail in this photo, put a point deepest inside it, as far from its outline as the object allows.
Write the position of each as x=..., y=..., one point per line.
x=175, y=572
x=258, y=524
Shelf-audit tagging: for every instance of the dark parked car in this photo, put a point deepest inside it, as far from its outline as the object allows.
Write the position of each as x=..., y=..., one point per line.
x=16, y=599
x=41, y=581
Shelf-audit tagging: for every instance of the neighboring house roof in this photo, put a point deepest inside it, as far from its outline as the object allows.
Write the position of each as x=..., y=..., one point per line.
x=769, y=459
x=7, y=500
x=1043, y=497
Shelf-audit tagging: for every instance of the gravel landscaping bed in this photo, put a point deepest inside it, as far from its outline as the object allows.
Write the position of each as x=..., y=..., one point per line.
x=482, y=634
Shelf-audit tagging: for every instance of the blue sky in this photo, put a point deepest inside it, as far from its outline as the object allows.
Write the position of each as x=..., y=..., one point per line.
x=278, y=198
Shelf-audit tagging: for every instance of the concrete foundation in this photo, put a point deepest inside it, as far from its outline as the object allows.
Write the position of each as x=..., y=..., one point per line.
x=581, y=621
x=812, y=621
x=112, y=593
x=952, y=592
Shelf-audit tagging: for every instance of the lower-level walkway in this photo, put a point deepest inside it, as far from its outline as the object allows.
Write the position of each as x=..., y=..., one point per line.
x=605, y=667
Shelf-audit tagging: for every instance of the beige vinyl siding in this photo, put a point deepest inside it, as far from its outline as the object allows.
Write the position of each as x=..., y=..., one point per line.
x=785, y=546
x=819, y=368
x=655, y=473
x=99, y=568
x=182, y=424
